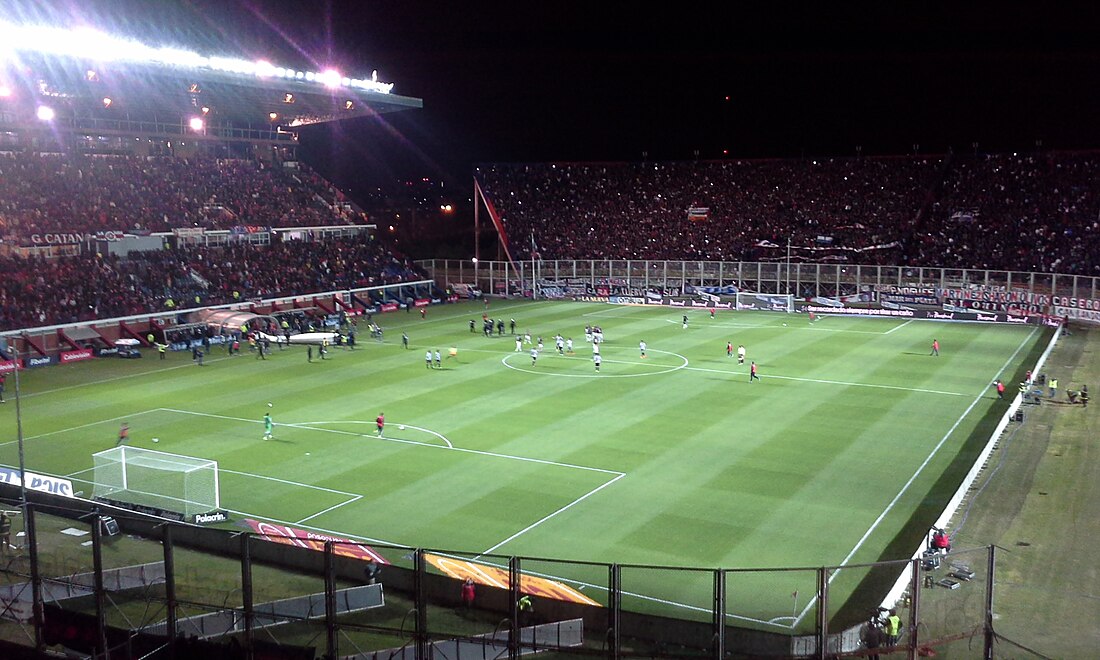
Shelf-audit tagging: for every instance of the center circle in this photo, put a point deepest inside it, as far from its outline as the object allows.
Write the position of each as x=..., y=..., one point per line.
x=604, y=374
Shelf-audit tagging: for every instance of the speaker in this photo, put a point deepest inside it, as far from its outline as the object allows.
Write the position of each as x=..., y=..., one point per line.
x=109, y=526
x=1019, y=416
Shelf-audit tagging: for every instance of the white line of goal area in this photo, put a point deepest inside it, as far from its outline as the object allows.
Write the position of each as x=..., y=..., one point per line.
x=615, y=475
x=912, y=479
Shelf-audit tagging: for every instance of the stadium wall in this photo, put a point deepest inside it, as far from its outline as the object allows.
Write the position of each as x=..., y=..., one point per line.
x=946, y=290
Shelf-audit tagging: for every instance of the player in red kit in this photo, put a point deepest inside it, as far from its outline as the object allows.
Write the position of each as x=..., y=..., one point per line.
x=935, y=347
x=729, y=349
x=380, y=422
x=752, y=372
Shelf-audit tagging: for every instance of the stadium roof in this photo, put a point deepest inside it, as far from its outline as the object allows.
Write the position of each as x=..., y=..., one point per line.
x=85, y=73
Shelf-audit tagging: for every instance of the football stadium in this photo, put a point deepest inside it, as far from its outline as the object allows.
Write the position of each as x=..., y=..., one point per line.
x=240, y=421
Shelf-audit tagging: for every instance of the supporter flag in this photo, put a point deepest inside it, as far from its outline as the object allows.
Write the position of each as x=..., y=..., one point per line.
x=535, y=249
x=698, y=213
x=766, y=244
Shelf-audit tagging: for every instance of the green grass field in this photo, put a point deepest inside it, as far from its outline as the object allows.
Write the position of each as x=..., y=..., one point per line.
x=852, y=434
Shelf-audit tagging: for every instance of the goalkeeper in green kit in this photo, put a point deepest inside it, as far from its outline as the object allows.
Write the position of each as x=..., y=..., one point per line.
x=269, y=427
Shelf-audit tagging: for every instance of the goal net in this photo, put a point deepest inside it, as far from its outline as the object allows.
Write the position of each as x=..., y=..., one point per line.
x=772, y=302
x=156, y=479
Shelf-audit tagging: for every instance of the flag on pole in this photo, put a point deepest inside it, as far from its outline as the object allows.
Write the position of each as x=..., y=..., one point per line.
x=535, y=249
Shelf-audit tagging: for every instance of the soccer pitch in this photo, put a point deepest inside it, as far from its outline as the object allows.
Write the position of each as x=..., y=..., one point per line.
x=836, y=456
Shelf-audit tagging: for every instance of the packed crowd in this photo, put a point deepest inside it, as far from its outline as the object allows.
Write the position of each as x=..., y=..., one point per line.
x=1018, y=212
x=37, y=291
x=42, y=193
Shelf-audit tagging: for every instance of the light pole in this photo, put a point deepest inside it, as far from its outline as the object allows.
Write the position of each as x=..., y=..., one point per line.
x=19, y=440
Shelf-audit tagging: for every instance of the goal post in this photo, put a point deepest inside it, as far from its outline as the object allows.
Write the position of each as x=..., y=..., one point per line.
x=772, y=302
x=146, y=479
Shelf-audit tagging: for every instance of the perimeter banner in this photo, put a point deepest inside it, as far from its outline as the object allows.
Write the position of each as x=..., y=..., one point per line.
x=491, y=576
x=302, y=538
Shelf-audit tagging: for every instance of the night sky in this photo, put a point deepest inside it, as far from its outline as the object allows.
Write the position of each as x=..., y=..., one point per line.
x=558, y=81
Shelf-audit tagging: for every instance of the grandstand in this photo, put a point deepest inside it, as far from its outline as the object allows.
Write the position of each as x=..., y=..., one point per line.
x=1024, y=212
x=131, y=213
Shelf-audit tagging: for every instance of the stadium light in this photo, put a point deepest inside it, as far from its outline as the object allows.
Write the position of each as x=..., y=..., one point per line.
x=92, y=45
x=45, y=113
x=5, y=91
x=107, y=101
x=331, y=78
x=272, y=116
x=197, y=124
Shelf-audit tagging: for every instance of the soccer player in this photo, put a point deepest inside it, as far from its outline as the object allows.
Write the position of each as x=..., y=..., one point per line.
x=740, y=354
x=380, y=423
x=269, y=427
x=752, y=372
x=1000, y=388
x=596, y=360
x=3, y=379
x=935, y=347
x=405, y=339
x=428, y=359
x=512, y=326
x=569, y=345
x=729, y=349
x=641, y=347
x=711, y=313
x=595, y=348
x=588, y=333
x=812, y=317
x=519, y=344
x=685, y=321
x=527, y=337
x=123, y=434
x=534, y=356
x=453, y=353
x=540, y=342
x=560, y=344
x=471, y=325
x=438, y=360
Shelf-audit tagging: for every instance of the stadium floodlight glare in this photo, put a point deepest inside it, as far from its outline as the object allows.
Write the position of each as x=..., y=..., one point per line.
x=45, y=113
x=5, y=91
x=197, y=124
x=88, y=44
x=331, y=78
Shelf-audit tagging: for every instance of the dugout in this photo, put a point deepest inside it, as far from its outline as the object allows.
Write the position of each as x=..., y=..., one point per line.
x=228, y=321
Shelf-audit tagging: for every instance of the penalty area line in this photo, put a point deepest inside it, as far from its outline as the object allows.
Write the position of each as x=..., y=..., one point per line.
x=331, y=508
x=551, y=515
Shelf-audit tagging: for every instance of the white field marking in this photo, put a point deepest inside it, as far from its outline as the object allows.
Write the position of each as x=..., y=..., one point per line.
x=370, y=436
x=899, y=327
x=830, y=382
x=767, y=326
x=912, y=479
x=115, y=378
x=309, y=425
x=664, y=370
x=612, y=311
x=289, y=483
x=77, y=428
x=336, y=506
x=551, y=515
